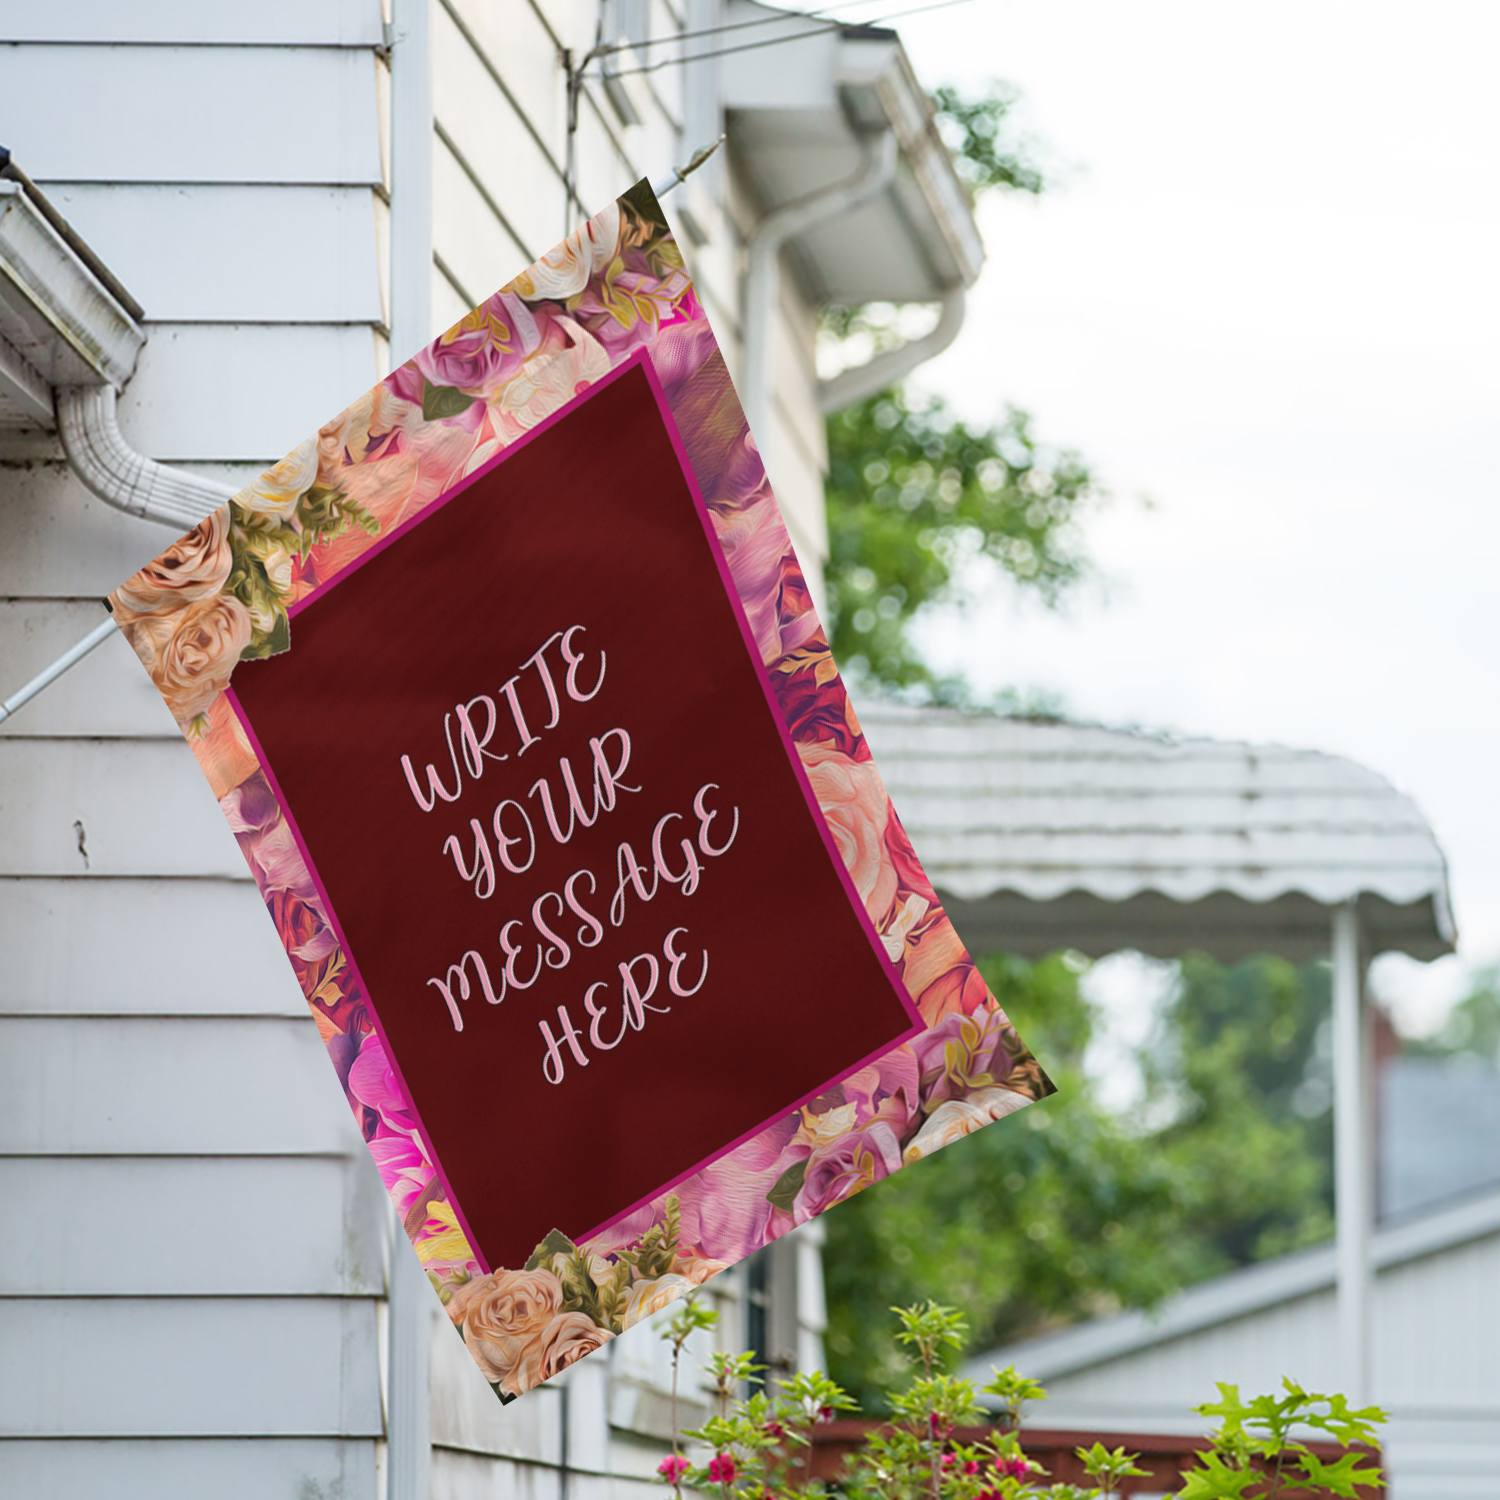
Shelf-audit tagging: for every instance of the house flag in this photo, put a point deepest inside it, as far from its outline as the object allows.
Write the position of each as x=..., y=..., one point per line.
x=508, y=683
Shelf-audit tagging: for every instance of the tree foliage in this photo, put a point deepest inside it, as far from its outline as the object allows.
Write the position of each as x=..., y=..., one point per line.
x=1068, y=1210
x=923, y=505
x=926, y=508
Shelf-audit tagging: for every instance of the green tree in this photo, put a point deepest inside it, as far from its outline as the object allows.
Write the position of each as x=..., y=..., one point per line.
x=1057, y=1211
x=1236, y=1065
x=1068, y=1210
x=926, y=508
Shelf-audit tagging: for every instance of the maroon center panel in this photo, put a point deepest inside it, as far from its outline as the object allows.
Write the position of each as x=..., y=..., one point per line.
x=589, y=527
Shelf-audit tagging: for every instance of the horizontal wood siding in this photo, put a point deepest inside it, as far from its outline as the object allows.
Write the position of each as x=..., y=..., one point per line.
x=190, y=1299
x=193, y=114
x=258, y=1468
x=194, y=1307
x=188, y=1367
x=235, y=252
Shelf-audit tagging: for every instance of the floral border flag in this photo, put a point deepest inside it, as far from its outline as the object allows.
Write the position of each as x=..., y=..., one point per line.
x=509, y=685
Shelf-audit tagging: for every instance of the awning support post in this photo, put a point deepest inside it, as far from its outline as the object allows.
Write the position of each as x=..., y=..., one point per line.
x=1353, y=1186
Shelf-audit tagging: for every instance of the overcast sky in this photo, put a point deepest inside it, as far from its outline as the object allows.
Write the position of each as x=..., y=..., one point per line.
x=1264, y=294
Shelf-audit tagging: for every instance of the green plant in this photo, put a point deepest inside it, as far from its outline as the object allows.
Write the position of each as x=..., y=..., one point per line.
x=942, y=1440
x=1255, y=1456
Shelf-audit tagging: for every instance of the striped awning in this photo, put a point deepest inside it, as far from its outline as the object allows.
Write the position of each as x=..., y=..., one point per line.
x=1043, y=835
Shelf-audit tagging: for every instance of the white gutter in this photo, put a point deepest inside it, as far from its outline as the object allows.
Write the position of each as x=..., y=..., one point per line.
x=862, y=381
x=763, y=267
x=69, y=322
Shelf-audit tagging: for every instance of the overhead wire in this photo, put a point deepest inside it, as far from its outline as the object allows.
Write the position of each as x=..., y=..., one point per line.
x=817, y=13
x=777, y=41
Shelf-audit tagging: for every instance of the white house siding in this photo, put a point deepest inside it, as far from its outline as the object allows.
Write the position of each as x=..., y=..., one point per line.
x=498, y=158
x=194, y=1252
x=194, y=1262
x=1436, y=1369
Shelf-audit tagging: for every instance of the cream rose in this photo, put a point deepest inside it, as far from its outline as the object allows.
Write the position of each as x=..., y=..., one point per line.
x=853, y=799
x=500, y=1314
x=565, y=271
x=276, y=493
x=193, y=567
x=191, y=656
x=647, y=1297
x=824, y=1129
x=960, y=1117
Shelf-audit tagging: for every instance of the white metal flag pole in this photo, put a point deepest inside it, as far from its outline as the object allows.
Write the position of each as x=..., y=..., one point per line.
x=106, y=628
x=53, y=670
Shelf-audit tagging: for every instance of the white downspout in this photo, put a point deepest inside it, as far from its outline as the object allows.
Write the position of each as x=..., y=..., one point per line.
x=862, y=381
x=763, y=265
x=106, y=463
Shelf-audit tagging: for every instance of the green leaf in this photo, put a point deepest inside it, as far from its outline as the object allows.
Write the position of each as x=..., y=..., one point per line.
x=440, y=401
x=1215, y=1480
x=272, y=642
x=1229, y=1409
x=788, y=1185
x=556, y=1243
x=279, y=636
x=1341, y=1478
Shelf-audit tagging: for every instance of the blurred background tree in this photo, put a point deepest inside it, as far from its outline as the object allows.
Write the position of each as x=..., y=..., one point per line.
x=1078, y=1209
x=926, y=509
x=1224, y=1156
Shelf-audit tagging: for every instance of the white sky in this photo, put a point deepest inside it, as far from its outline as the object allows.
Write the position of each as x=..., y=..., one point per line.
x=1265, y=296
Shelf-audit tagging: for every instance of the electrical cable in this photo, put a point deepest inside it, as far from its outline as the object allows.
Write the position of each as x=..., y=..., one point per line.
x=776, y=41
x=818, y=13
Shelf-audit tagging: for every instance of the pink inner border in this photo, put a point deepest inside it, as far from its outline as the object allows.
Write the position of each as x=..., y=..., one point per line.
x=638, y=357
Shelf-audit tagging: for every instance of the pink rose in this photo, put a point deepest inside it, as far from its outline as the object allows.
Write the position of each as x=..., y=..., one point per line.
x=499, y=1315
x=845, y=1167
x=193, y=567
x=886, y=1090
x=962, y=1053
x=854, y=803
x=266, y=841
x=477, y=355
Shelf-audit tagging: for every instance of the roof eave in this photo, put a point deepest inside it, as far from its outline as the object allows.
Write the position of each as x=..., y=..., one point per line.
x=883, y=66
x=1240, y=1293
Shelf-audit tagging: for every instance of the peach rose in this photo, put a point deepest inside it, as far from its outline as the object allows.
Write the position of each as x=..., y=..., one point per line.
x=699, y=1268
x=193, y=567
x=190, y=656
x=500, y=1314
x=960, y=1117
x=567, y=1340
x=855, y=804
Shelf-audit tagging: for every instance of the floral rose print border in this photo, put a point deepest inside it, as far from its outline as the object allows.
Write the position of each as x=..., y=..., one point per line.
x=221, y=595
